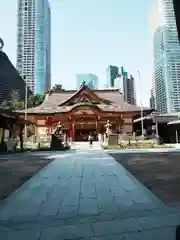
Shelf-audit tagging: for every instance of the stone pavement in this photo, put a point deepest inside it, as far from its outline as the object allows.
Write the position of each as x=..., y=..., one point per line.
x=85, y=195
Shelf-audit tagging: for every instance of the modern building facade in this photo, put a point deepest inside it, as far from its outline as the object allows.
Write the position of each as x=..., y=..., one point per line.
x=166, y=60
x=112, y=73
x=126, y=84
x=152, y=100
x=90, y=79
x=34, y=44
x=129, y=90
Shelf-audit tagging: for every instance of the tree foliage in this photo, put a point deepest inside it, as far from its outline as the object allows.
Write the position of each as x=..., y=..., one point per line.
x=35, y=100
x=15, y=103
x=57, y=87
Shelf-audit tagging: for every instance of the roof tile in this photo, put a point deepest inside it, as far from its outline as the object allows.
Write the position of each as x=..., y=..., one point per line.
x=53, y=101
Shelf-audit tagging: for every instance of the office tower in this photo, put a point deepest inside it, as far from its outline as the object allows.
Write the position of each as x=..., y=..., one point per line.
x=152, y=100
x=34, y=44
x=112, y=72
x=126, y=85
x=166, y=60
x=90, y=80
x=129, y=90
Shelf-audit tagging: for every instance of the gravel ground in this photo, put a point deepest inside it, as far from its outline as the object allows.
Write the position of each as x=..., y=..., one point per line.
x=16, y=169
x=160, y=172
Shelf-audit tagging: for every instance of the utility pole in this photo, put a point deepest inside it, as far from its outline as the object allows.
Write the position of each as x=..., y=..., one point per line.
x=141, y=107
x=25, y=110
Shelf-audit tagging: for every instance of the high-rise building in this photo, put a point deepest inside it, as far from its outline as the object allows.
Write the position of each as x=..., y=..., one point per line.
x=166, y=60
x=91, y=80
x=126, y=85
x=152, y=100
x=34, y=44
x=112, y=73
x=129, y=90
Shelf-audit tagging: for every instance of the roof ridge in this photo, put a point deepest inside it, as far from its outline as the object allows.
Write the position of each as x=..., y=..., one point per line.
x=75, y=91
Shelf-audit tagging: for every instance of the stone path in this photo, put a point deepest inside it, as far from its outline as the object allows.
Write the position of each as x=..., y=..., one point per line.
x=85, y=195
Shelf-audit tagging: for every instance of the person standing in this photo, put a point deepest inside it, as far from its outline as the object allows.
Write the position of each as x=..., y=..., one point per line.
x=90, y=138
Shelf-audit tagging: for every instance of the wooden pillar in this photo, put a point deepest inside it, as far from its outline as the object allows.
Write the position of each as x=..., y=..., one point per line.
x=97, y=129
x=21, y=137
x=73, y=130
x=122, y=124
x=36, y=134
x=3, y=135
x=10, y=132
x=11, y=127
x=98, y=125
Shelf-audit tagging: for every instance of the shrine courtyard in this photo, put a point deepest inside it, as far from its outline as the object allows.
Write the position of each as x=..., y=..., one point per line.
x=86, y=194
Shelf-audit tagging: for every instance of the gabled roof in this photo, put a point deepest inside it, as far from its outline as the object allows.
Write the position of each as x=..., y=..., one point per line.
x=83, y=93
x=108, y=100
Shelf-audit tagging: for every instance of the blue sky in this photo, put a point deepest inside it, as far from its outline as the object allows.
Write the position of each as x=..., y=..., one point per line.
x=88, y=35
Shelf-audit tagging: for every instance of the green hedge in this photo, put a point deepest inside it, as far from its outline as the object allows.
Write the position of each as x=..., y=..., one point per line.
x=136, y=146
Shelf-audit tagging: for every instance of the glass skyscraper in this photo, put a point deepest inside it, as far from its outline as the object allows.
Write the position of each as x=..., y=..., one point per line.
x=112, y=73
x=126, y=85
x=34, y=44
x=90, y=79
x=166, y=77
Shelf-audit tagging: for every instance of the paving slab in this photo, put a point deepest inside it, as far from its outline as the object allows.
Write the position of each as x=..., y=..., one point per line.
x=116, y=226
x=84, y=195
x=67, y=232
x=151, y=222
x=162, y=233
x=20, y=235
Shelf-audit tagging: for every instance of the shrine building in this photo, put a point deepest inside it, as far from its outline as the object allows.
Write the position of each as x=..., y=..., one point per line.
x=83, y=111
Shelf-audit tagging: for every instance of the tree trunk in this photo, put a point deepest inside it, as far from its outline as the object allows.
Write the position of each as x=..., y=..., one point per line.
x=3, y=135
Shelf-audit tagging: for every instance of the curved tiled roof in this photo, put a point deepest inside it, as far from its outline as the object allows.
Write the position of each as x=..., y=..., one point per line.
x=53, y=102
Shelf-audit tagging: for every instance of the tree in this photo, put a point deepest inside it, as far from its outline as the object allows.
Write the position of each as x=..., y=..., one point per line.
x=35, y=100
x=58, y=87
x=7, y=104
x=14, y=103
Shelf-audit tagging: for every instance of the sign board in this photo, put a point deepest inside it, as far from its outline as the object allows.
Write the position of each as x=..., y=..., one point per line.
x=41, y=122
x=165, y=119
x=85, y=112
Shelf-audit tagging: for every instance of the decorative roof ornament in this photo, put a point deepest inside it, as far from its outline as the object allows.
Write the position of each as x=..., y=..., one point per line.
x=83, y=84
x=1, y=44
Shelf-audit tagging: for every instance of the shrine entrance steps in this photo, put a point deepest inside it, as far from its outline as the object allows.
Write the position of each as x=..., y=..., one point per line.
x=78, y=146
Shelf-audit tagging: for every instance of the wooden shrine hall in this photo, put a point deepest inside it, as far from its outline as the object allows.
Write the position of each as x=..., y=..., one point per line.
x=83, y=111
